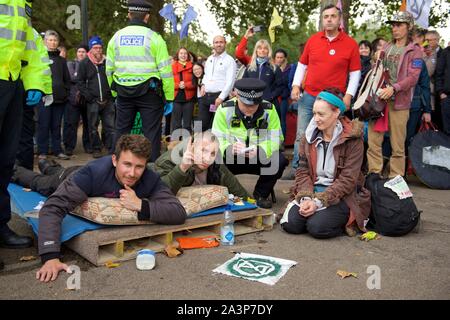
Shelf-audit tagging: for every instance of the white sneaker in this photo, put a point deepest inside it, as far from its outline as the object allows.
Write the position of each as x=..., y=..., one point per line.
x=63, y=156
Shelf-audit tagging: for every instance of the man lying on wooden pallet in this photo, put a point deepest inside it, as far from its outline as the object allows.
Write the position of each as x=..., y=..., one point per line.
x=123, y=175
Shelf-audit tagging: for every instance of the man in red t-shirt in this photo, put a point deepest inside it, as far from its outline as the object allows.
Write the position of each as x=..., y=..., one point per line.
x=330, y=59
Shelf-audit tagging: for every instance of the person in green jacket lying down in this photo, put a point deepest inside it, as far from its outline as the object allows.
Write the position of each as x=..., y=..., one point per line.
x=193, y=162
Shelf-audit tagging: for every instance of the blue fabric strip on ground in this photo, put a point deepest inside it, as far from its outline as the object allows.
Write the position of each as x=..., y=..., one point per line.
x=23, y=202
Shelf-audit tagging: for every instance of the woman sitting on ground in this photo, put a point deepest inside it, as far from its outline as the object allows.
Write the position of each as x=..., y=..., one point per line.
x=193, y=162
x=324, y=196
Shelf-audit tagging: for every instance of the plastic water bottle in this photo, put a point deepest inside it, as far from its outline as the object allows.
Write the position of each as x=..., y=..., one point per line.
x=145, y=259
x=227, y=229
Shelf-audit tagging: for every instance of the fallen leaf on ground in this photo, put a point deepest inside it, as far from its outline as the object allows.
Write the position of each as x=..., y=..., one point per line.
x=172, y=251
x=286, y=191
x=371, y=235
x=28, y=258
x=345, y=274
x=251, y=200
x=111, y=264
x=70, y=289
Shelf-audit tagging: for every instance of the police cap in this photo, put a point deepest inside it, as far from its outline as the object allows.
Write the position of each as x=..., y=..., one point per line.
x=250, y=90
x=139, y=5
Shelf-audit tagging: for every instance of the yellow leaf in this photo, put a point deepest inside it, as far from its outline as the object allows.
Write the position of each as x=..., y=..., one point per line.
x=371, y=235
x=251, y=200
x=111, y=264
x=172, y=251
x=286, y=191
x=28, y=258
x=345, y=274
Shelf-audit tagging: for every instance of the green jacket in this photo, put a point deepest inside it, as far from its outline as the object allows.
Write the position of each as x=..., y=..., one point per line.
x=135, y=54
x=229, y=128
x=175, y=179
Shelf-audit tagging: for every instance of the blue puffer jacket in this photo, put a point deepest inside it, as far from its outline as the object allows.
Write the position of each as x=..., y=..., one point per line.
x=422, y=95
x=273, y=79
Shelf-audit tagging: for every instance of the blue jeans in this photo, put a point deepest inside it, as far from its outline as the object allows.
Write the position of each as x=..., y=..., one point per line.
x=49, y=122
x=305, y=115
x=284, y=109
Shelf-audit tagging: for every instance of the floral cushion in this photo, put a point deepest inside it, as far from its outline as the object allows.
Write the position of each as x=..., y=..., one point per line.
x=107, y=211
x=199, y=198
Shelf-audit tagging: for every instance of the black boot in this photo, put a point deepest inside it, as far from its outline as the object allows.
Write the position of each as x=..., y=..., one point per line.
x=10, y=240
x=2, y=265
x=23, y=177
x=261, y=201
x=48, y=167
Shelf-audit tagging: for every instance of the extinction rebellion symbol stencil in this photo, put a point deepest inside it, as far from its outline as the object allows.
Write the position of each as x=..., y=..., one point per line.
x=256, y=267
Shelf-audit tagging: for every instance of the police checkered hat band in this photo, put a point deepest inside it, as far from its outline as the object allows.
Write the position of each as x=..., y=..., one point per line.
x=138, y=9
x=250, y=95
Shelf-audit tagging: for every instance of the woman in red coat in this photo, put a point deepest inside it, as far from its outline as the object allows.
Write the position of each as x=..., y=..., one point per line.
x=185, y=92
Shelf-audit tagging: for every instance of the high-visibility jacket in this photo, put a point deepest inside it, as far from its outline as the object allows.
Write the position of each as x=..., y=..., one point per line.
x=135, y=54
x=37, y=75
x=229, y=128
x=21, y=53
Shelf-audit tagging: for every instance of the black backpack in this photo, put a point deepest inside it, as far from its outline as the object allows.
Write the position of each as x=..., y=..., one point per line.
x=390, y=215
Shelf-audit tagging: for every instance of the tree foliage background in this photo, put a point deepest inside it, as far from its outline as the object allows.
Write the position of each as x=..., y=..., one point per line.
x=233, y=16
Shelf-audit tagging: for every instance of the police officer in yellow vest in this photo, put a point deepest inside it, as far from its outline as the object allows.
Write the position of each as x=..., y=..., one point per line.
x=22, y=77
x=139, y=70
x=37, y=53
x=249, y=132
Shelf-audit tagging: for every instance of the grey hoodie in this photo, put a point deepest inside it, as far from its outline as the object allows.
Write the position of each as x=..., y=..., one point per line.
x=326, y=164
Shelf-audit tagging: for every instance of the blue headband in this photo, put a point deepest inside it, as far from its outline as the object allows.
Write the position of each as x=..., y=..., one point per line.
x=332, y=99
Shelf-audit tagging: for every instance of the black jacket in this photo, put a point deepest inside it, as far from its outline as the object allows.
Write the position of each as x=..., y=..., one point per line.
x=92, y=81
x=98, y=179
x=60, y=77
x=443, y=72
x=272, y=78
x=366, y=65
x=73, y=71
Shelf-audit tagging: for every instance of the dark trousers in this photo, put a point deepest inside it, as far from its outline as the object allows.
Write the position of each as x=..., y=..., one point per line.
x=167, y=122
x=71, y=122
x=436, y=114
x=182, y=116
x=25, y=152
x=106, y=114
x=151, y=109
x=49, y=123
x=323, y=224
x=283, y=114
x=266, y=182
x=46, y=182
x=413, y=125
x=11, y=108
x=445, y=109
x=204, y=115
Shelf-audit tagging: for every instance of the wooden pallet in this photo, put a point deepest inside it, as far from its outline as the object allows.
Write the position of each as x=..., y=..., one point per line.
x=122, y=243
